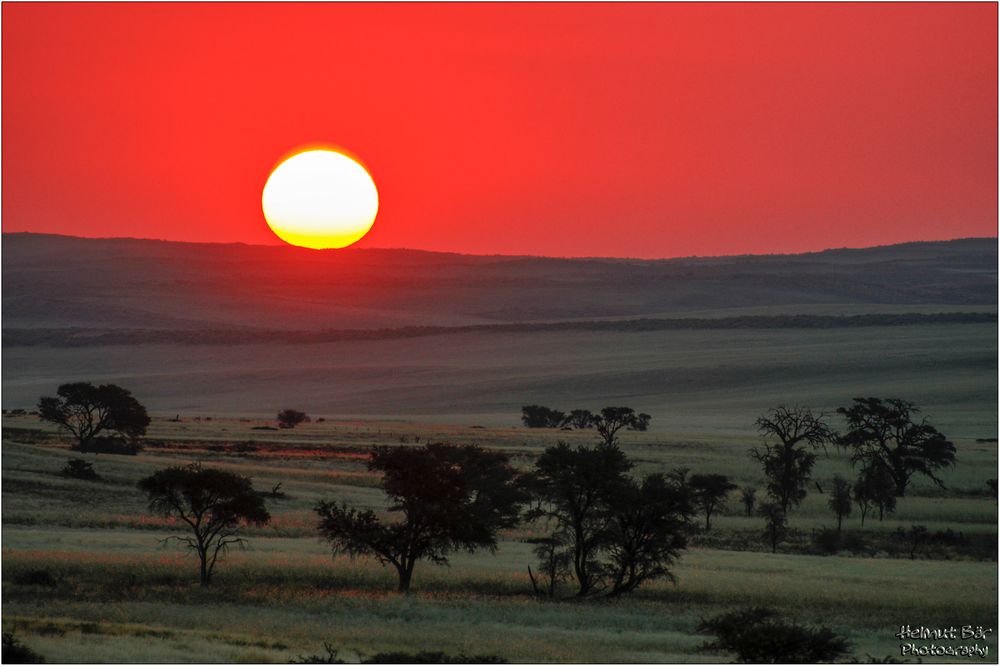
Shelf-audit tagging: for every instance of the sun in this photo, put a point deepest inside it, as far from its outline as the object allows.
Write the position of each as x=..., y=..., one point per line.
x=320, y=199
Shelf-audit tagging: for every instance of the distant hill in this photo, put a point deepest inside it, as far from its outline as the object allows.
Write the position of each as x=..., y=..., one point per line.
x=702, y=344
x=52, y=282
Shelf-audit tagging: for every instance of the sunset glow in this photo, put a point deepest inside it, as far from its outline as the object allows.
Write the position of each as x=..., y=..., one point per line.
x=320, y=199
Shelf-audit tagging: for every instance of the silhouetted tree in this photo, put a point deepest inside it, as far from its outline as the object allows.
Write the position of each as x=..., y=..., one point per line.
x=749, y=499
x=840, y=499
x=289, y=418
x=554, y=559
x=536, y=416
x=580, y=419
x=884, y=433
x=992, y=485
x=710, y=492
x=613, y=419
x=448, y=497
x=761, y=636
x=775, y=524
x=214, y=504
x=788, y=463
x=574, y=488
x=875, y=488
x=648, y=530
x=90, y=413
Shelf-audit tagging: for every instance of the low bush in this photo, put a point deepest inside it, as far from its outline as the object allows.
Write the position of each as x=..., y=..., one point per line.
x=15, y=652
x=760, y=636
x=80, y=469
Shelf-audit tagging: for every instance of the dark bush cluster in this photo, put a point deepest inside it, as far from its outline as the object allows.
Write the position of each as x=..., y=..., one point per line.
x=332, y=656
x=80, y=469
x=15, y=652
x=762, y=636
x=607, y=422
x=289, y=418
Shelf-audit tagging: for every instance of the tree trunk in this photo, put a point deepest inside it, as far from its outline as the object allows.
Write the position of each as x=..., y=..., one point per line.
x=204, y=568
x=840, y=520
x=405, y=575
x=534, y=585
x=708, y=520
x=580, y=569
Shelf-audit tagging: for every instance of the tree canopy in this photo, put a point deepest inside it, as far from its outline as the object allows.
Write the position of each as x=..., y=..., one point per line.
x=613, y=532
x=289, y=418
x=787, y=459
x=884, y=433
x=95, y=414
x=710, y=493
x=537, y=416
x=213, y=503
x=447, y=497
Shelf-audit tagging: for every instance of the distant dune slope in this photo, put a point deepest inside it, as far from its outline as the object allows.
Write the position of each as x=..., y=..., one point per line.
x=702, y=344
x=60, y=281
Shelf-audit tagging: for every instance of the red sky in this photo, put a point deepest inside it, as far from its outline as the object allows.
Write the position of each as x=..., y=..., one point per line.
x=557, y=129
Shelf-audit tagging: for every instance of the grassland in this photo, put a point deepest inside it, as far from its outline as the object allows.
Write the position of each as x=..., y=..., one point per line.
x=86, y=578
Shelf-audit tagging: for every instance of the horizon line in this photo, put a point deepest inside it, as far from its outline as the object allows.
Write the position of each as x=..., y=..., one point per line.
x=354, y=248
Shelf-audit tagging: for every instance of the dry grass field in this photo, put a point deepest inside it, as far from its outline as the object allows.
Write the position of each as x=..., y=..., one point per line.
x=86, y=577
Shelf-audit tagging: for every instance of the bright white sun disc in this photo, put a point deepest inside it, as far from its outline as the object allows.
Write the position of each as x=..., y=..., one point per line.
x=320, y=199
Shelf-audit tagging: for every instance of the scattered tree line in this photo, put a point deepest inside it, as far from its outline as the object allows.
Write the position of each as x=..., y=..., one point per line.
x=887, y=444
x=608, y=530
x=607, y=422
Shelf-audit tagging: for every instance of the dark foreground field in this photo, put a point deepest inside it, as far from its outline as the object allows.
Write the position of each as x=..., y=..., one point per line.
x=85, y=577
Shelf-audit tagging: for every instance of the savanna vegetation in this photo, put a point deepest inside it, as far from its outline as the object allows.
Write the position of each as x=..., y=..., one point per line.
x=590, y=539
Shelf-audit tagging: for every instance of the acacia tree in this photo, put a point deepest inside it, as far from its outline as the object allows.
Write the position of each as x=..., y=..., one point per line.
x=648, y=530
x=710, y=492
x=289, y=418
x=579, y=419
x=537, y=416
x=884, y=433
x=91, y=413
x=788, y=462
x=448, y=498
x=613, y=419
x=775, y=524
x=574, y=487
x=840, y=499
x=214, y=504
x=875, y=487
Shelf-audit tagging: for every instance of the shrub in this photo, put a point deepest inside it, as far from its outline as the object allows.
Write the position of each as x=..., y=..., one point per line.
x=760, y=636
x=80, y=469
x=14, y=652
x=289, y=418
